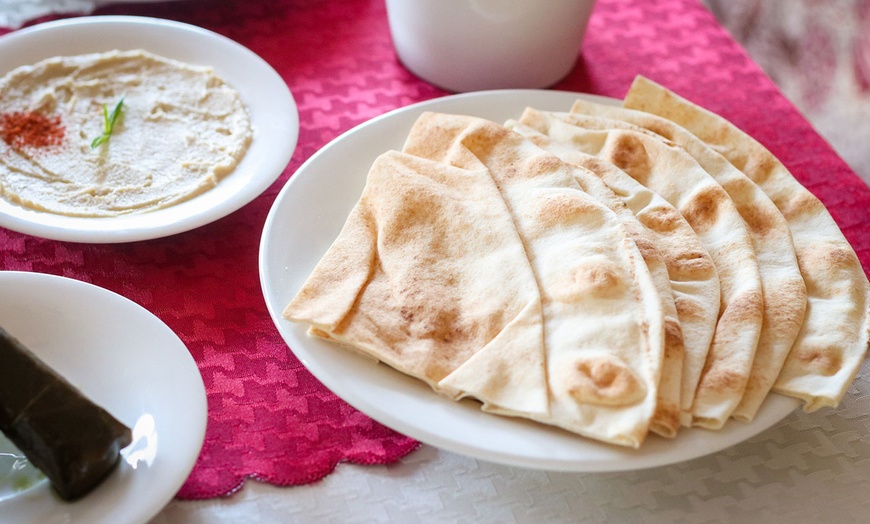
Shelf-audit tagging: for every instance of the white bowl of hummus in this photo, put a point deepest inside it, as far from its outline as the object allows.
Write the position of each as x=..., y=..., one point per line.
x=116, y=129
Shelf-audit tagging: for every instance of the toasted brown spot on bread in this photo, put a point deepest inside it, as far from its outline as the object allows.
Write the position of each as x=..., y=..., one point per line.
x=800, y=203
x=629, y=154
x=703, y=209
x=688, y=308
x=825, y=259
x=840, y=257
x=688, y=265
x=538, y=165
x=646, y=247
x=789, y=311
x=744, y=307
x=422, y=210
x=666, y=419
x=565, y=208
x=599, y=279
x=594, y=278
x=825, y=361
x=481, y=138
x=760, y=164
x=661, y=220
x=543, y=165
x=673, y=337
x=720, y=374
x=604, y=380
x=722, y=380
x=760, y=219
x=441, y=328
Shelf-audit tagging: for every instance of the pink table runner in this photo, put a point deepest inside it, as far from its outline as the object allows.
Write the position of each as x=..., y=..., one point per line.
x=269, y=419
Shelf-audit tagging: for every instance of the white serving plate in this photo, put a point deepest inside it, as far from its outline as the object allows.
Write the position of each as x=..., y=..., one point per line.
x=129, y=362
x=305, y=219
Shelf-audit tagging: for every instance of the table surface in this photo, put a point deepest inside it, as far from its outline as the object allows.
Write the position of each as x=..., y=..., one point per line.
x=337, y=59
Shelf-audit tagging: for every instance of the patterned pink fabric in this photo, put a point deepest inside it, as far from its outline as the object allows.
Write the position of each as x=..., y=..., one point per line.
x=269, y=419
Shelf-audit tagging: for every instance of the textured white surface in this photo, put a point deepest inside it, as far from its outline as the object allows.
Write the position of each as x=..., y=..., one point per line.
x=809, y=468
x=14, y=13
x=818, y=54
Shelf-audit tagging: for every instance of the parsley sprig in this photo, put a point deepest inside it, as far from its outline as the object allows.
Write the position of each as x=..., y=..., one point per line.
x=109, y=121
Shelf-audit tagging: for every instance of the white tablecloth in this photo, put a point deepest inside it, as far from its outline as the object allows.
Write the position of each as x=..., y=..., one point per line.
x=809, y=468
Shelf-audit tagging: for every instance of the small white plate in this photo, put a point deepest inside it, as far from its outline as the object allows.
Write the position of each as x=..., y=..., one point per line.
x=125, y=359
x=303, y=222
x=274, y=117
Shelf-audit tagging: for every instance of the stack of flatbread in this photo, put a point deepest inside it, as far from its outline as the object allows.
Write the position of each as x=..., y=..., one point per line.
x=612, y=271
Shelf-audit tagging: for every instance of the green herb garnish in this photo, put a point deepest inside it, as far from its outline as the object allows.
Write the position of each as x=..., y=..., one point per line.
x=108, y=123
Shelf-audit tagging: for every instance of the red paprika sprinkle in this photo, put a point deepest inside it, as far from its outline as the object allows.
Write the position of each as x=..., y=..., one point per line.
x=30, y=129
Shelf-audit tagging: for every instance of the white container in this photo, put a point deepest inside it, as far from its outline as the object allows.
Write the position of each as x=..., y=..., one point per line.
x=471, y=45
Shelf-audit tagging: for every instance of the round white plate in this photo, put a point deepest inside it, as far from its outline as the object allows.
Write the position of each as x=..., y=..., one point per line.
x=125, y=359
x=274, y=118
x=303, y=222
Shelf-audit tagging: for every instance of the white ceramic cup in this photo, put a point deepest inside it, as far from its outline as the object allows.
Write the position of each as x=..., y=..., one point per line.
x=472, y=45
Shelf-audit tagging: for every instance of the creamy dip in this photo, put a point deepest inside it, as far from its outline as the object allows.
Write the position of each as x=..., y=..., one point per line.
x=181, y=130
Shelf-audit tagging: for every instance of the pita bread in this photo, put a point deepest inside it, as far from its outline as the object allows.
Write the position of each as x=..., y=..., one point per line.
x=666, y=421
x=785, y=294
x=409, y=282
x=677, y=177
x=834, y=337
x=603, y=323
x=694, y=282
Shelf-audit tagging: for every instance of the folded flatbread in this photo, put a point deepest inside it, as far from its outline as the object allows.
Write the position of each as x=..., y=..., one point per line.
x=669, y=171
x=603, y=322
x=411, y=281
x=693, y=278
x=785, y=294
x=666, y=421
x=834, y=337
